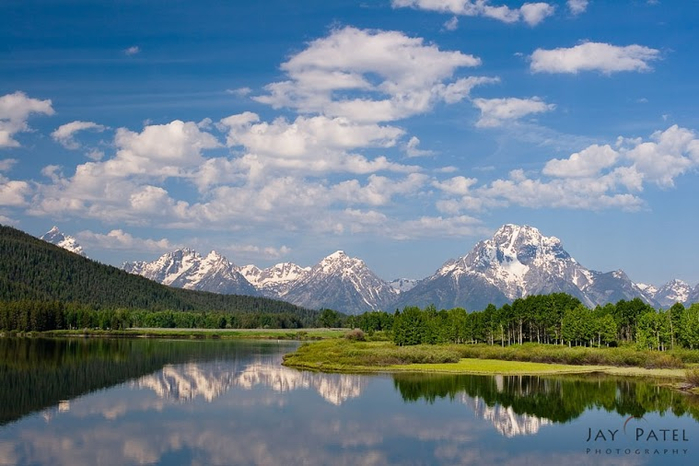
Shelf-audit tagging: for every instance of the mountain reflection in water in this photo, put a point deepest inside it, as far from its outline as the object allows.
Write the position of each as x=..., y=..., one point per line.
x=210, y=380
x=222, y=402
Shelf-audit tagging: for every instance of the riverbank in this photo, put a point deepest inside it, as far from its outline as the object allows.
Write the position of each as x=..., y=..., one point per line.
x=310, y=334
x=340, y=355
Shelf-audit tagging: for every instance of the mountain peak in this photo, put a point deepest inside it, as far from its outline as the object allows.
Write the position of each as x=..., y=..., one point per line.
x=54, y=236
x=337, y=255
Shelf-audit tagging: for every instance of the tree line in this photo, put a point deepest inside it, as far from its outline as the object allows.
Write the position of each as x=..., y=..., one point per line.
x=39, y=316
x=558, y=319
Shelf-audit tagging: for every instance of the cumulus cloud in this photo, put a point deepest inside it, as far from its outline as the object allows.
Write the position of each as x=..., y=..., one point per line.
x=13, y=193
x=262, y=252
x=494, y=112
x=577, y=7
x=121, y=240
x=594, y=56
x=15, y=110
x=133, y=50
x=588, y=162
x=667, y=155
x=597, y=177
x=64, y=133
x=369, y=76
x=126, y=186
x=412, y=148
x=534, y=13
x=310, y=144
x=160, y=149
x=458, y=185
x=451, y=24
x=530, y=13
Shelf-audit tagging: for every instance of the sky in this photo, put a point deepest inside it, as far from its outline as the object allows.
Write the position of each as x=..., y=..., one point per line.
x=399, y=131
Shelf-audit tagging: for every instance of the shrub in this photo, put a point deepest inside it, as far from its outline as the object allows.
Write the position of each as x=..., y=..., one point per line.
x=692, y=377
x=355, y=335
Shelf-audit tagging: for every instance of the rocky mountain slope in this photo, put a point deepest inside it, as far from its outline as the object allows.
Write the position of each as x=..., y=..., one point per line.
x=517, y=261
x=185, y=268
x=54, y=236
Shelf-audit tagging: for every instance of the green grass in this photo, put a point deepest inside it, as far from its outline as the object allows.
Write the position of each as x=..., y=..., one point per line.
x=347, y=356
x=194, y=333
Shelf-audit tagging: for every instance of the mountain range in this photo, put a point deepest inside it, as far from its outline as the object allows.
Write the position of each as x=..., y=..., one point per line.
x=516, y=262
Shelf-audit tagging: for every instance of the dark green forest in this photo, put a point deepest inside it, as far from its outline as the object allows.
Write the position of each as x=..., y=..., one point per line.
x=556, y=319
x=71, y=291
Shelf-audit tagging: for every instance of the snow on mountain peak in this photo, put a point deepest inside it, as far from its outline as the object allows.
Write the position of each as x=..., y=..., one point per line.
x=54, y=236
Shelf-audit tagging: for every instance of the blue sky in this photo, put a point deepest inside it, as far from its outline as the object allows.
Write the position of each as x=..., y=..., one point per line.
x=401, y=132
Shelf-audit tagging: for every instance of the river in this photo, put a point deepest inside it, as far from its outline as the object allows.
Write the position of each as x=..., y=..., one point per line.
x=137, y=401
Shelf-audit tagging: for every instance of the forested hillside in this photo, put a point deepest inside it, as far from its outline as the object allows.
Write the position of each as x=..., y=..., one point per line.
x=31, y=269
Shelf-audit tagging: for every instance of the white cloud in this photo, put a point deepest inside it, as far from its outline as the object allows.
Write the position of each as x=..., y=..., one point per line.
x=159, y=149
x=7, y=164
x=593, y=56
x=13, y=193
x=240, y=92
x=425, y=227
x=260, y=252
x=494, y=112
x=570, y=193
x=412, y=148
x=309, y=144
x=370, y=76
x=534, y=13
x=451, y=24
x=597, y=177
x=459, y=185
x=64, y=134
x=7, y=220
x=133, y=50
x=126, y=186
x=577, y=7
x=121, y=240
x=530, y=13
x=15, y=109
x=670, y=153
x=586, y=163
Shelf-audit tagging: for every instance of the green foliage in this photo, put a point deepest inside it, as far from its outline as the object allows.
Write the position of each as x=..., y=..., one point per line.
x=355, y=335
x=689, y=327
x=33, y=271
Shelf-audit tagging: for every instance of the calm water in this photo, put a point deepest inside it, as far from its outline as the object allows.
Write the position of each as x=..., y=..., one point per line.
x=205, y=403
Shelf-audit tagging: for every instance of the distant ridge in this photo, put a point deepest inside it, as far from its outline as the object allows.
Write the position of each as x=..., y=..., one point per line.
x=516, y=262
x=34, y=269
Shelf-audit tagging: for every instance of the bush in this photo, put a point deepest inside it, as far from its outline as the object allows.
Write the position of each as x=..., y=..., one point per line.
x=692, y=377
x=355, y=335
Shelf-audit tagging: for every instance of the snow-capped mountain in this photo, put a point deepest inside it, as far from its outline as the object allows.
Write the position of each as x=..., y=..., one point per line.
x=342, y=283
x=54, y=236
x=517, y=261
x=401, y=285
x=275, y=281
x=675, y=291
x=185, y=268
x=693, y=296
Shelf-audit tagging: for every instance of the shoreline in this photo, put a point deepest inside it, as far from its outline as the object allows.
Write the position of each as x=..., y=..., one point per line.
x=341, y=356
x=310, y=334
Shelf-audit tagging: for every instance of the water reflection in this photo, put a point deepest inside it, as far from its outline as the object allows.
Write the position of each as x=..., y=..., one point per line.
x=233, y=403
x=210, y=380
